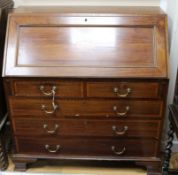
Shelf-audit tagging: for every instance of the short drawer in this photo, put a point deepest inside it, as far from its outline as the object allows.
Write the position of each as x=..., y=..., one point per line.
x=94, y=128
x=85, y=108
x=44, y=88
x=87, y=147
x=123, y=89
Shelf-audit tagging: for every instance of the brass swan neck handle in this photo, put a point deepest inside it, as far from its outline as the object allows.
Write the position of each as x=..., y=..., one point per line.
x=53, y=89
x=121, y=114
x=122, y=95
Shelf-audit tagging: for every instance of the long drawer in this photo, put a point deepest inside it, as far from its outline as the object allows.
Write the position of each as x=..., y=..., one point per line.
x=87, y=147
x=96, y=128
x=43, y=87
x=91, y=108
x=123, y=89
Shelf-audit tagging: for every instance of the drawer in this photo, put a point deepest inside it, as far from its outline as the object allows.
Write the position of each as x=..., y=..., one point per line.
x=44, y=88
x=94, y=128
x=123, y=89
x=85, y=108
x=87, y=147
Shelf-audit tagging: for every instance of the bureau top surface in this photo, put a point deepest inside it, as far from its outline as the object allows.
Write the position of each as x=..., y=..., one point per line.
x=87, y=42
x=79, y=10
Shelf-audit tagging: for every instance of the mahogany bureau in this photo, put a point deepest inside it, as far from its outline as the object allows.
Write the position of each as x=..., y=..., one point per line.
x=87, y=83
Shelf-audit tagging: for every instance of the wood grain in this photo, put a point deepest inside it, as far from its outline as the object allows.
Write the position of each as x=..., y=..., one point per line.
x=87, y=147
x=138, y=89
x=85, y=108
x=86, y=46
x=64, y=88
x=87, y=128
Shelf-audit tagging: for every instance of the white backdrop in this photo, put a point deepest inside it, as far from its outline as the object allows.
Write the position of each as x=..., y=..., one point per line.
x=88, y=2
x=171, y=6
x=172, y=12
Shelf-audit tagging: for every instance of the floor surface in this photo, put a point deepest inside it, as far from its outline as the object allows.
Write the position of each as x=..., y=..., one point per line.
x=73, y=167
x=82, y=168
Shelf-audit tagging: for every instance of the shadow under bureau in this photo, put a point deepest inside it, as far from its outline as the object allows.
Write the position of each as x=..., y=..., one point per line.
x=87, y=83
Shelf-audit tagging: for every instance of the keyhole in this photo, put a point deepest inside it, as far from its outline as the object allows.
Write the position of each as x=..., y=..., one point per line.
x=86, y=19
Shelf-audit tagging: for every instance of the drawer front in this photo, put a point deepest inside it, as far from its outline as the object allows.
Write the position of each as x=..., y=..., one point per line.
x=123, y=89
x=103, y=128
x=43, y=88
x=85, y=108
x=87, y=147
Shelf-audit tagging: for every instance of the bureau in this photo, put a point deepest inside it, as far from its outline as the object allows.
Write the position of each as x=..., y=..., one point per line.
x=86, y=83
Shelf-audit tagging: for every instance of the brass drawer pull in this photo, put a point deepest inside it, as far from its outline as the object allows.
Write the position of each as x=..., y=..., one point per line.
x=44, y=108
x=42, y=88
x=113, y=148
x=55, y=107
x=116, y=91
x=121, y=114
x=115, y=129
x=45, y=126
x=47, y=147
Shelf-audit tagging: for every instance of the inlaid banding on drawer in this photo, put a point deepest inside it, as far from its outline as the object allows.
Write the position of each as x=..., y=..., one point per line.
x=123, y=89
x=87, y=147
x=95, y=128
x=42, y=88
x=90, y=108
